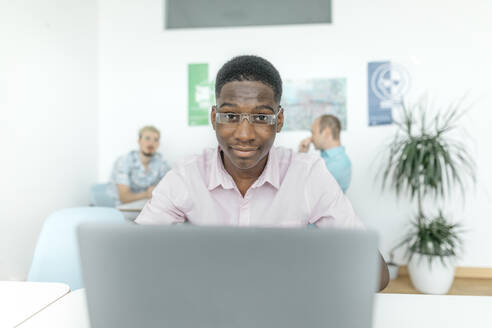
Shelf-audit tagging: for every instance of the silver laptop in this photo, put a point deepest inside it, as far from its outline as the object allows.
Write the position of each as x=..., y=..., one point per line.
x=222, y=277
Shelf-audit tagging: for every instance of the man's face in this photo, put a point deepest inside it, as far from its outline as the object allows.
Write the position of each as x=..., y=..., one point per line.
x=245, y=144
x=148, y=142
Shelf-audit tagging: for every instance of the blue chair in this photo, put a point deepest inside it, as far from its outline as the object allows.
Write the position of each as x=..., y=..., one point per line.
x=56, y=257
x=100, y=196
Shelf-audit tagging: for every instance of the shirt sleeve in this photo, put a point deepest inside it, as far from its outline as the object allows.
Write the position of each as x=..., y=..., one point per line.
x=121, y=171
x=168, y=203
x=329, y=207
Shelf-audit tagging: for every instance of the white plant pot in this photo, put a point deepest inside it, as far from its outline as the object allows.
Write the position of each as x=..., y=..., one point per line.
x=436, y=278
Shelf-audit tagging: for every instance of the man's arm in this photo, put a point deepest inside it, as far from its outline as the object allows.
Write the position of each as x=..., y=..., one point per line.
x=121, y=177
x=126, y=195
x=168, y=203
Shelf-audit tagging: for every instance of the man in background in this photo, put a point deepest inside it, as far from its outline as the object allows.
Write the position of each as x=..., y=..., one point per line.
x=325, y=136
x=136, y=174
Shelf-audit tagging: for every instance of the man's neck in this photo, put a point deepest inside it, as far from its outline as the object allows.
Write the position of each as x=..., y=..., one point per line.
x=244, y=179
x=332, y=145
x=144, y=159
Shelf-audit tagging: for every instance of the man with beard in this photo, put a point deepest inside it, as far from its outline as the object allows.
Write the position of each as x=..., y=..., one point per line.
x=136, y=174
x=245, y=181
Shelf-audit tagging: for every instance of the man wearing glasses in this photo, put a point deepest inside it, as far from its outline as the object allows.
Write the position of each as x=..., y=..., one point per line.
x=245, y=181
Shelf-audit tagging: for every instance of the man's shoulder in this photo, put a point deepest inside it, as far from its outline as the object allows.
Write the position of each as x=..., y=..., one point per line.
x=158, y=159
x=287, y=154
x=340, y=160
x=127, y=158
x=289, y=159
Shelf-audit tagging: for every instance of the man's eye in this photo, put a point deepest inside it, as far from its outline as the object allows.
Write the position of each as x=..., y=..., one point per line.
x=231, y=117
x=261, y=117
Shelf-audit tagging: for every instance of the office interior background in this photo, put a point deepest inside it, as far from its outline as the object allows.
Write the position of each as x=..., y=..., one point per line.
x=78, y=78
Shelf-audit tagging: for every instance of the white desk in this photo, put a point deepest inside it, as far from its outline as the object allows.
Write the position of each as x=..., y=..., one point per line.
x=391, y=310
x=69, y=311
x=131, y=210
x=432, y=311
x=20, y=300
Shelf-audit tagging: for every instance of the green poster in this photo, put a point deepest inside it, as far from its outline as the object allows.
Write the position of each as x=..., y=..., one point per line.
x=200, y=94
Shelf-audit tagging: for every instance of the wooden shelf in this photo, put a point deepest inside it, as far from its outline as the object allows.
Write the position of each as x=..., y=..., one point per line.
x=468, y=281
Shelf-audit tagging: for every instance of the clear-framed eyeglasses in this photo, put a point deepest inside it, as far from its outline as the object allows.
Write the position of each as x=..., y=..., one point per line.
x=257, y=119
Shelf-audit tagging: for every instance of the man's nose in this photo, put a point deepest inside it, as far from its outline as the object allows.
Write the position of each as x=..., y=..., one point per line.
x=245, y=131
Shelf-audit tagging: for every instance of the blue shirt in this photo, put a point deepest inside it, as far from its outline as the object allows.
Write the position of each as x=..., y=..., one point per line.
x=129, y=170
x=339, y=165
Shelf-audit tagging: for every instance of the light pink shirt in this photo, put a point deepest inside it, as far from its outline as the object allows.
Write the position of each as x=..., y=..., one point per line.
x=293, y=190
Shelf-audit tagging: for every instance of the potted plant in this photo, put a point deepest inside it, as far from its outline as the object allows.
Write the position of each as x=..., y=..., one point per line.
x=425, y=162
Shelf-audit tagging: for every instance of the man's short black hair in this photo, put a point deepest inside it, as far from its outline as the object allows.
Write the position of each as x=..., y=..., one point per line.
x=249, y=68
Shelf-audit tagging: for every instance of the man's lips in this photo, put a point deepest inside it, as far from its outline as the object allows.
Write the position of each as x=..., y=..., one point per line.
x=244, y=151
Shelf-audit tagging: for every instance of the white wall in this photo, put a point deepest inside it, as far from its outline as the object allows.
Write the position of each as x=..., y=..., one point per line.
x=48, y=118
x=53, y=65
x=444, y=43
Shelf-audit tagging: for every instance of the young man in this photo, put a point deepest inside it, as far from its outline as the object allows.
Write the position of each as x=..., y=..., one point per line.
x=325, y=137
x=135, y=174
x=245, y=181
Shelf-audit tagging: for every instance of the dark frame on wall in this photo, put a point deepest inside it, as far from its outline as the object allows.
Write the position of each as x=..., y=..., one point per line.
x=184, y=14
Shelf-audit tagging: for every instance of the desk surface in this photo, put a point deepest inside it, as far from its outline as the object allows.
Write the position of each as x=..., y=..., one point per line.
x=391, y=310
x=20, y=300
x=431, y=311
x=135, y=206
x=69, y=311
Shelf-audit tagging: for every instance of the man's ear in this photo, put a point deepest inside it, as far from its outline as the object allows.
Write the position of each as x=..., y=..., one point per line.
x=212, y=116
x=326, y=133
x=280, y=119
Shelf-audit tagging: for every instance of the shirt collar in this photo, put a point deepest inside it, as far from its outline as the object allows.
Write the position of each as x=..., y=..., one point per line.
x=220, y=177
x=271, y=172
x=332, y=152
x=136, y=158
x=218, y=174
